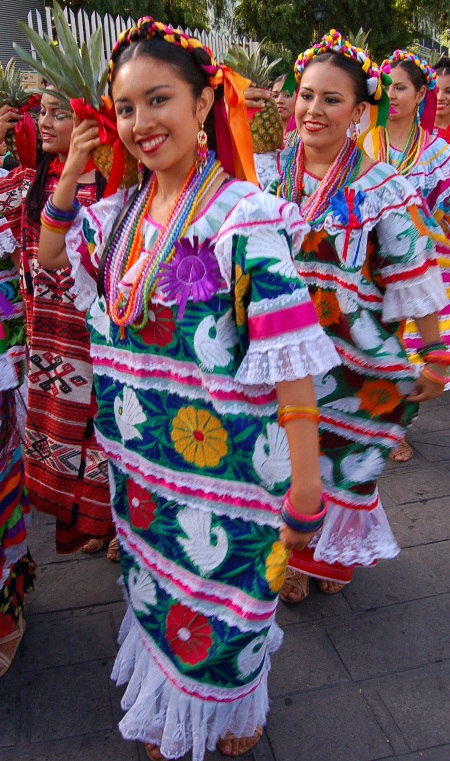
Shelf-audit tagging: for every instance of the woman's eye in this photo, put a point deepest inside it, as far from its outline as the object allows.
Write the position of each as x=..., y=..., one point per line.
x=306, y=96
x=123, y=110
x=157, y=100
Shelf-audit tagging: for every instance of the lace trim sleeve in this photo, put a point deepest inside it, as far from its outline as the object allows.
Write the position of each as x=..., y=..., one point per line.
x=84, y=241
x=416, y=298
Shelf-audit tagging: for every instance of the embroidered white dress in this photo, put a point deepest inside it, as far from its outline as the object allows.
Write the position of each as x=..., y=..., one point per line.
x=187, y=417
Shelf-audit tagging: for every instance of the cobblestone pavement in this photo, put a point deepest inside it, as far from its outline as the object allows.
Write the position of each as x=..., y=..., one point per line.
x=362, y=676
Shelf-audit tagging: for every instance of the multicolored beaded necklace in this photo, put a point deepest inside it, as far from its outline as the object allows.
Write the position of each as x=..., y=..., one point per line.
x=127, y=244
x=411, y=153
x=342, y=171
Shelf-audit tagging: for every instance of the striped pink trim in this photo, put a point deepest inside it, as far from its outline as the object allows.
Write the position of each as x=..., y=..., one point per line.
x=286, y=321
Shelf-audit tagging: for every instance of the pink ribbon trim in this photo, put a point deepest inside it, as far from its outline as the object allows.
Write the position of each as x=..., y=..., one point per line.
x=285, y=321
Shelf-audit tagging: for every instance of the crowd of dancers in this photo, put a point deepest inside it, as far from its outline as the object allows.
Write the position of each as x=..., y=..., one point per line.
x=212, y=373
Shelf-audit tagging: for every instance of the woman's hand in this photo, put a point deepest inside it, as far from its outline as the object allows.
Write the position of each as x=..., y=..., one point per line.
x=294, y=540
x=83, y=141
x=8, y=119
x=425, y=389
x=255, y=97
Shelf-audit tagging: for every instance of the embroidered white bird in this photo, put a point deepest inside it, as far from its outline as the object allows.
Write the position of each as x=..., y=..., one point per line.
x=363, y=466
x=365, y=332
x=99, y=319
x=324, y=385
x=213, y=339
x=271, y=456
x=269, y=244
x=251, y=657
x=128, y=413
x=205, y=547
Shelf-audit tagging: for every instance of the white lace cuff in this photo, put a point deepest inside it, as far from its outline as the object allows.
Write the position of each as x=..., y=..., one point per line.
x=416, y=298
x=289, y=357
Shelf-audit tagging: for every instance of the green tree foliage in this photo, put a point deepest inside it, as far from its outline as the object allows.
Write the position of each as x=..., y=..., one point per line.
x=176, y=12
x=291, y=26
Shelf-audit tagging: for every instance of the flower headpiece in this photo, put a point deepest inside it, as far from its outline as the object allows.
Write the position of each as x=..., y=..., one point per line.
x=427, y=107
x=333, y=42
x=147, y=27
x=405, y=55
x=234, y=143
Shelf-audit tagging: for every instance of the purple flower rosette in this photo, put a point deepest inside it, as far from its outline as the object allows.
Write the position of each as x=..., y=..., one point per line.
x=193, y=273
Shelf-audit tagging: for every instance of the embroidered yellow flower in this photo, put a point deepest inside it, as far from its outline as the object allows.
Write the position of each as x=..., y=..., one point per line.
x=276, y=563
x=199, y=437
x=240, y=291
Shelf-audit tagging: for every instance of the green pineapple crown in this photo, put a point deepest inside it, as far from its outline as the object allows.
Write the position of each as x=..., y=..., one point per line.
x=255, y=67
x=11, y=89
x=74, y=72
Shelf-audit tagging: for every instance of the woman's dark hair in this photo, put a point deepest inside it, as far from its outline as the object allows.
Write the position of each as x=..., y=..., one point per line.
x=9, y=162
x=352, y=68
x=415, y=76
x=443, y=66
x=34, y=200
x=280, y=78
x=187, y=66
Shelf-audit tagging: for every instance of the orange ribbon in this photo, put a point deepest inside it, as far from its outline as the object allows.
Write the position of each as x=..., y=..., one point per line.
x=239, y=128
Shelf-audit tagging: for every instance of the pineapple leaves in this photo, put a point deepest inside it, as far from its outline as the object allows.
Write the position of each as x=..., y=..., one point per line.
x=75, y=72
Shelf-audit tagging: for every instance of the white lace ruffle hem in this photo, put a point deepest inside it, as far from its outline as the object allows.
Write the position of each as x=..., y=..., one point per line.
x=355, y=537
x=158, y=712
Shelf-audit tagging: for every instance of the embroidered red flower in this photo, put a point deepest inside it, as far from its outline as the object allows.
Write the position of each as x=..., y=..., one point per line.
x=189, y=634
x=160, y=327
x=141, y=506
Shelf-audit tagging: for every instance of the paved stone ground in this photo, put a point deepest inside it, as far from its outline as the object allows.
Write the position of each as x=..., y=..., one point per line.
x=362, y=676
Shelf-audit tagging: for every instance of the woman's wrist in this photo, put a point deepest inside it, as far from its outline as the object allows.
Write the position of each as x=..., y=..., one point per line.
x=303, y=522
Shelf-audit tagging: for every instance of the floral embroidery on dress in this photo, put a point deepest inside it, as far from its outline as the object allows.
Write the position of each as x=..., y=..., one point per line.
x=189, y=634
x=199, y=437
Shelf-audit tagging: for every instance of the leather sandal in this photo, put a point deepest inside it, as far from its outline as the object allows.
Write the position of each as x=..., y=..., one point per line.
x=237, y=746
x=295, y=587
x=113, y=551
x=93, y=545
x=16, y=638
x=153, y=752
x=329, y=587
x=402, y=453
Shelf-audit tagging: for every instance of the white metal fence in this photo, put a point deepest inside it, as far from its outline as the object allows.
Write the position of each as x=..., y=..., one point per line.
x=83, y=25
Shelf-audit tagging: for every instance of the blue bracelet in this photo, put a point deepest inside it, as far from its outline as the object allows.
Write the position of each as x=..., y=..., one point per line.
x=303, y=527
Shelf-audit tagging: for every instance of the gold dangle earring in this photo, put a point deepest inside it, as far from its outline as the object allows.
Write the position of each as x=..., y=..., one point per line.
x=202, y=149
x=355, y=131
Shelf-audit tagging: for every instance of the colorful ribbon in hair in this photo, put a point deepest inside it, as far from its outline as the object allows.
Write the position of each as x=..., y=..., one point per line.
x=234, y=144
x=427, y=107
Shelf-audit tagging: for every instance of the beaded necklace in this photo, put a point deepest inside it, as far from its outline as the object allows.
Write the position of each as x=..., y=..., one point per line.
x=342, y=171
x=411, y=153
x=126, y=246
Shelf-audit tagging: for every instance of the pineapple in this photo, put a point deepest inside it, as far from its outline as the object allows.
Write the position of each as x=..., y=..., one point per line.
x=76, y=73
x=265, y=126
x=359, y=40
x=13, y=94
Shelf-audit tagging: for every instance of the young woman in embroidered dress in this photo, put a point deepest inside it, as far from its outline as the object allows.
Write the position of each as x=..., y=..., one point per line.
x=442, y=121
x=200, y=329
x=284, y=94
x=369, y=263
x=408, y=144
x=66, y=474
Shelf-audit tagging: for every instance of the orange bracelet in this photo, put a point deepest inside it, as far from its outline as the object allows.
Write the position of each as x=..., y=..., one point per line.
x=287, y=416
x=297, y=408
